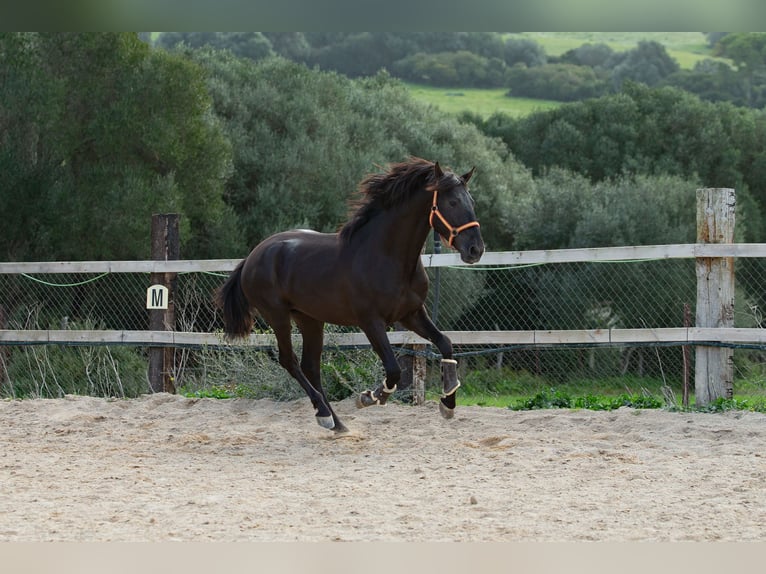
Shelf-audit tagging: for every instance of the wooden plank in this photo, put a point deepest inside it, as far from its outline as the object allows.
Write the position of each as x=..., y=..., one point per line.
x=597, y=336
x=601, y=254
x=491, y=337
x=223, y=266
x=499, y=258
x=16, y=337
x=692, y=336
x=664, y=335
x=729, y=335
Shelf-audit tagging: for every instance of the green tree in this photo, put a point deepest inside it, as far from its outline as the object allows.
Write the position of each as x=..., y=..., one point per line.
x=523, y=51
x=748, y=51
x=648, y=63
x=253, y=45
x=562, y=82
x=591, y=55
x=102, y=133
x=461, y=68
x=712, y=80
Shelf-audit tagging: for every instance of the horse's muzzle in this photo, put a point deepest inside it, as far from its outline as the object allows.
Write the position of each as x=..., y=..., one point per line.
x=470, y=245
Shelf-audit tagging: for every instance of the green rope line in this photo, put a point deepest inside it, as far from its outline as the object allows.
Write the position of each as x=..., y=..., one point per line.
x=49, y=284
x=102, y=275
x=527, y=265
x=488, y=268
x=430, y=354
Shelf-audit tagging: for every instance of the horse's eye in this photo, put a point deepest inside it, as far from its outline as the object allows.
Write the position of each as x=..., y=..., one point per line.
x=453, y=203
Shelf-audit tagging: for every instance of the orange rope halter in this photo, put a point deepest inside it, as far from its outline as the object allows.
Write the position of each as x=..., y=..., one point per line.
x=453, y=231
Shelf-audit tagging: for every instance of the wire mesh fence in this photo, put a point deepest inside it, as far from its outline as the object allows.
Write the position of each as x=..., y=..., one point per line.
x=568, y=296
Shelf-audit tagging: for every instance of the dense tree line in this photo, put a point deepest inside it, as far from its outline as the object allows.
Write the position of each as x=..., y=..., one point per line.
x=479, y=59
x=489, y=59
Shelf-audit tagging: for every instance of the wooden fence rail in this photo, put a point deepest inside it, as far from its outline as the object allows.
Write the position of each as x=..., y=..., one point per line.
x=490, y=259
x=590, y=337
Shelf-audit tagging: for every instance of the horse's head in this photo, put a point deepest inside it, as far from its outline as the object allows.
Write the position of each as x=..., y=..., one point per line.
x=452, y=214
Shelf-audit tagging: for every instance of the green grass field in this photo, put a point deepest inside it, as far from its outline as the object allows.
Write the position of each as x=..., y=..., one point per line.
x=484, y=102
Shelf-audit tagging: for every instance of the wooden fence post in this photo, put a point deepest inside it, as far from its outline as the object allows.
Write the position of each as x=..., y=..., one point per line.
x=713, y=366
x=414, y=373
x=166, y=246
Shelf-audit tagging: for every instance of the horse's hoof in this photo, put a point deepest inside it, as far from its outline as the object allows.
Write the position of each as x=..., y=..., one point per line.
x=445, y=411
x=366, y=399
x=326, y=422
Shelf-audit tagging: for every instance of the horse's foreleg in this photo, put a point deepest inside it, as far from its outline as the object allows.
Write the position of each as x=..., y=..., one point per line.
x=376, y=333
x=420, y=323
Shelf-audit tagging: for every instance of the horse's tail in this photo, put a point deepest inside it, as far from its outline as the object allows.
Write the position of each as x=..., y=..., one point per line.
x=237, y=318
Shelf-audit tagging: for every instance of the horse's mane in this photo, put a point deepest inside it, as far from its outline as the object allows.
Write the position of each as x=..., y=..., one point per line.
x=379, y=192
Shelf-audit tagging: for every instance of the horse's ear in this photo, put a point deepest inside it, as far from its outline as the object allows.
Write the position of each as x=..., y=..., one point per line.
x=467, y=176
x=438, y=173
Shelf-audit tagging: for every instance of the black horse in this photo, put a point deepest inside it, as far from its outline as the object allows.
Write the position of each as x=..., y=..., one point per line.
x=368, y=275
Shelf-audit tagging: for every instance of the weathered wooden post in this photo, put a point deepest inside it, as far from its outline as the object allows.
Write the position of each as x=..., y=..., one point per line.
x=414, y=373
x=713, y=366
x=166, y=246
x=419, y=376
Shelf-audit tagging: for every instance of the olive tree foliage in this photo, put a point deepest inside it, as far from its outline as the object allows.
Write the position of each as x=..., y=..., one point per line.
x=253, y=45
x=597, y=56
x=649, y=131
x=648, y=63
x=567, y=210
x=97, y=132
x=302, y=139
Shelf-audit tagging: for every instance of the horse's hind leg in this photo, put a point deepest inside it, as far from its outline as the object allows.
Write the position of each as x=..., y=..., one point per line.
x=288, y=359
x=311, y=359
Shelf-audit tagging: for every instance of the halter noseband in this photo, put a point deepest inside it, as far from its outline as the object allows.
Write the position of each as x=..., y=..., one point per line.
x=453, y=231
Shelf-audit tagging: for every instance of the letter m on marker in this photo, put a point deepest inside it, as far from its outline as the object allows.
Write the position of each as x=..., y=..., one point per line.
x=157, y=298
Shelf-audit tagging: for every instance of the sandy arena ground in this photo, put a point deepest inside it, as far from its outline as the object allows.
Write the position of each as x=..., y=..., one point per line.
x=164, y=467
